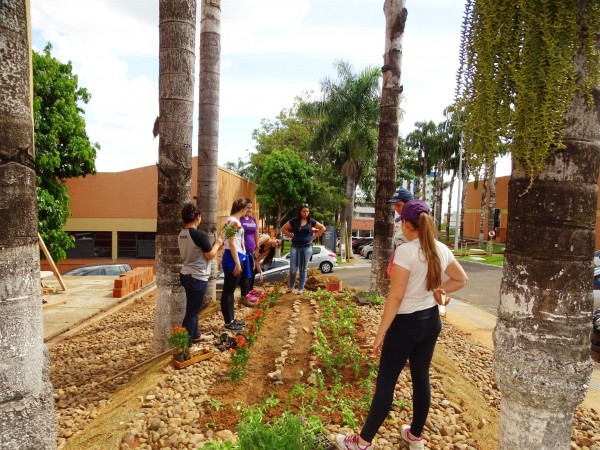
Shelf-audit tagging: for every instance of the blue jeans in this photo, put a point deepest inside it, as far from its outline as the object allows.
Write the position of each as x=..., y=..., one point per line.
x=299, y=258
x=195, y=290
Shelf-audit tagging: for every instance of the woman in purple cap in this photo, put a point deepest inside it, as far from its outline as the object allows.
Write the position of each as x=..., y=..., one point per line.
x=410, y=324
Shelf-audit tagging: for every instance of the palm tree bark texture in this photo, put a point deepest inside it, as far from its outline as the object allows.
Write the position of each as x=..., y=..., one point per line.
x=542, y=337
x=208, y=125
x=26, y=398
x=176, y=106
x=387, y=148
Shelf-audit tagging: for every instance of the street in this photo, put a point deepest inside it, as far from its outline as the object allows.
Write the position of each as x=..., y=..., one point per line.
x=483, y=290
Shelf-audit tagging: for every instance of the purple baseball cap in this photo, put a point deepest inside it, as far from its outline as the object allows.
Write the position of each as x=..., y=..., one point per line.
x=413, y=209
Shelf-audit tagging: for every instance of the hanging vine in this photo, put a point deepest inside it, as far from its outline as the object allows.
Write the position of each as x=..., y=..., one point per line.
x=517, y=75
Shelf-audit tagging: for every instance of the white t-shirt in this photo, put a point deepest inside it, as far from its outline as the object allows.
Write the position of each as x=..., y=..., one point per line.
x=239, y=237
x=410, y=256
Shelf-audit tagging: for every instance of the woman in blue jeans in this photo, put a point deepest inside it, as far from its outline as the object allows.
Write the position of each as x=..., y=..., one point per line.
x=410, y=324
x=196, y=252
x=302, y=230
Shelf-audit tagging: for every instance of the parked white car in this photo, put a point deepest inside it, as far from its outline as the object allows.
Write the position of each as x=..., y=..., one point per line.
x=597, y=258
x=322, y=257
x=367, y=251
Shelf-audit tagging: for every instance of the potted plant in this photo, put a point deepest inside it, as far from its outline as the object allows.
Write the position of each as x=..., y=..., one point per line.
x=179, y=340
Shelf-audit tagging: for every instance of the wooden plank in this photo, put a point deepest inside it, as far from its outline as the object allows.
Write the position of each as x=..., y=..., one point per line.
x=51, y=261
x=196, y=357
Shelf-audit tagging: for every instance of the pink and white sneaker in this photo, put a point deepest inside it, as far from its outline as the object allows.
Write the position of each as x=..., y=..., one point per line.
x=413, y=444
x=344, y=442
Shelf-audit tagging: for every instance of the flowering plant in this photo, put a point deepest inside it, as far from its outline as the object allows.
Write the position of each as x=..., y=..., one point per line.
x=179, y=339
x=231, y=228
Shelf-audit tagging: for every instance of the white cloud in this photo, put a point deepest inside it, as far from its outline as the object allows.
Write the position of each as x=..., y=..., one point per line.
x=272, y=51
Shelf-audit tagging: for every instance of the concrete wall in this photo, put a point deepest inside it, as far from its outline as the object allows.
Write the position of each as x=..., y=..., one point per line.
x=127, y=201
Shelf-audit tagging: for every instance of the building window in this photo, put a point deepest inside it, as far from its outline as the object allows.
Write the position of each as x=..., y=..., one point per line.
x=91, y=244
x=136, y=245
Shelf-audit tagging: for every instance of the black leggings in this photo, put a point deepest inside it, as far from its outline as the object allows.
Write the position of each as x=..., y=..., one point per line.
x=229, y=284
x=413, y=337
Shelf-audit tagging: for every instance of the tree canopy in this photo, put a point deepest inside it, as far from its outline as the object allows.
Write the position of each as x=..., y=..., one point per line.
x=286, y=182
x=62, y=147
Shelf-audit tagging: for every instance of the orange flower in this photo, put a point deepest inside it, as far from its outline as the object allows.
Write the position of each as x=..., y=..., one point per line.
x=241, y=341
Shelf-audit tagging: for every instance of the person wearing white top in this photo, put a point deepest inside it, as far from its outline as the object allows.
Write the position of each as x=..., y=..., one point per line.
x=410, y=324
x=233, y=263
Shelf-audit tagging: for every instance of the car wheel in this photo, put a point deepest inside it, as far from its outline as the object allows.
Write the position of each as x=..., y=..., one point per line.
x=326, y=267
x=369, y=255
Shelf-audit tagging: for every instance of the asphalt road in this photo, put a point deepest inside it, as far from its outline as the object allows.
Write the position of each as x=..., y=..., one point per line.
x=483, y=290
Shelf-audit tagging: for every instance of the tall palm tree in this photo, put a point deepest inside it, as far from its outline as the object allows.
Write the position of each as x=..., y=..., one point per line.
x=422, y=140
x=537, y=62
x=349, y=112
x=26, y=400
x=387, y=150
x=176, y=105
x=208, y=124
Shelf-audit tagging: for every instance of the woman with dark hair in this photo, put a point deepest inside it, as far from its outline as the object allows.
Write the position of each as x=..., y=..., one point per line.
x=266, y=252
x=410, y=324
x=234, y=262
x=301, y=230
x=251, y=242
x=196, y=252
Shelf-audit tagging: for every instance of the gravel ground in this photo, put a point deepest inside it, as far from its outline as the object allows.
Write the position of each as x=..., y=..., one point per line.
x=168, y=414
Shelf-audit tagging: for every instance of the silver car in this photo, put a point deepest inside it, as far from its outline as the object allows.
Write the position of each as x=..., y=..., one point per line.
x=322, y=257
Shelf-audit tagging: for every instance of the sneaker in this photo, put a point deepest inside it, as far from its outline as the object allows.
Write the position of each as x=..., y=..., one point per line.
x=412, y=444
x=239, y=323
x=194, y=349
x=203, y=338
x=233, y=326
x=244, y=301
x=300, y=291
x=344, y=442
x=289, y=290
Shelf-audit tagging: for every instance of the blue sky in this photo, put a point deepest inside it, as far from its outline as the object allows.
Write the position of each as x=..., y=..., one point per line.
x=271, y=52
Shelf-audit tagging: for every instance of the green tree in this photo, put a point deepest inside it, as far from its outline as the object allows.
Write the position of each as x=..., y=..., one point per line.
x=348, y=124
x=532, y=76
x=62, y=147
x=286, y=182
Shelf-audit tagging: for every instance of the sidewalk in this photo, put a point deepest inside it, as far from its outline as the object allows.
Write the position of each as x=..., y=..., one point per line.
x=480, y=325
x=86, y=297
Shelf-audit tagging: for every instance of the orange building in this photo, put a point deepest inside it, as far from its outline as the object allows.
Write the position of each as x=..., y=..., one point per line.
x=114, y=214
x=473, y=211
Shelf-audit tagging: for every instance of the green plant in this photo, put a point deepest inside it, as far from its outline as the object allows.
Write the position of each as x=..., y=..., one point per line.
x=375, y=299
x=179, y=339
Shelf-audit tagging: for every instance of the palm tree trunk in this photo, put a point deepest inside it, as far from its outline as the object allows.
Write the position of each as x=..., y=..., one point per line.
x=542, y=337
x=492, y=205
x=176, y=105
x=463, y=197
x=387, y=149
x=449, y=213
x=483, y=205
x=26, y=397
x=349, y=208
x=208, y=149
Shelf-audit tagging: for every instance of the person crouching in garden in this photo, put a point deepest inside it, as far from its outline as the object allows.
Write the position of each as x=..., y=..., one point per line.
x=410, y=324
x=196, y=252
x=234, y=262
x=300, y=230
